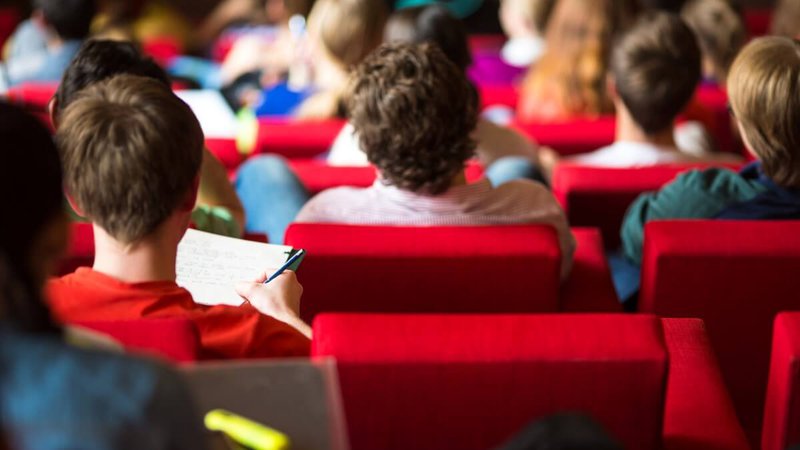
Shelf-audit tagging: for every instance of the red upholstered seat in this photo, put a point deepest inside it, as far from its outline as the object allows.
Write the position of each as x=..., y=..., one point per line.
x=735, y=276
x=226, y=151
x=430, y=269
x=599, y=197
x=9, y=19
x=782, y=410
x=499, y=95
x=471, y=381
x=575, y=136
x=296, y=139
x=757, y=21
x=36, y=95
x=175, y=339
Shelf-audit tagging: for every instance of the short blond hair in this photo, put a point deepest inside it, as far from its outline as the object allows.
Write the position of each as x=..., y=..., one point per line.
x=764, y=92
x=348, y=29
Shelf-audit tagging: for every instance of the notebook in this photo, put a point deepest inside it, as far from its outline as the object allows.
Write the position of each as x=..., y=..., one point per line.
x=298, y=397
x=209, y=265
x=216, y=118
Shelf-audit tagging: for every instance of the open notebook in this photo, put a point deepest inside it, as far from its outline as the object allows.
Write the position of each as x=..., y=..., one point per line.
x=209, y=265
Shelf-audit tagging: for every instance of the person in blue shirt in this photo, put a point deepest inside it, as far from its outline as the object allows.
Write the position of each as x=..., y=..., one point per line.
x=43, y=46
x=53, y=395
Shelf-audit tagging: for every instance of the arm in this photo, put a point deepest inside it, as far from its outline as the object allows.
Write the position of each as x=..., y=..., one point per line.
x=216, y=190
x=280, y=299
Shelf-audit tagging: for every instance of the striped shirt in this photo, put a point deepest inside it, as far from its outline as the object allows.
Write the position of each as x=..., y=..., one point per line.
x=479, y=203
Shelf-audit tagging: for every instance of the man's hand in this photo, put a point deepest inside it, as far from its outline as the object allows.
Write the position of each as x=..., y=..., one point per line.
x=279, y=299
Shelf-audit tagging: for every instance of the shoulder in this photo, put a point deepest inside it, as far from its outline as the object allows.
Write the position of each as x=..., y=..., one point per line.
x=332, y=203
x=716, y=181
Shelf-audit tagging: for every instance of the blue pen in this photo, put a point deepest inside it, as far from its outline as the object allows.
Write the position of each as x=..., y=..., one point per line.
x=288, y=264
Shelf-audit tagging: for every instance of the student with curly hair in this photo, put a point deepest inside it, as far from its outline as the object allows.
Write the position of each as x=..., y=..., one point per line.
x=414, y=110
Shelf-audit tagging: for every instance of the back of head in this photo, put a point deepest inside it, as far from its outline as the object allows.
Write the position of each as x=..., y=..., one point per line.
x=764, y=93
x=720, y=31
x=131, y=151
x=532, y=14
x=432, y=23
x=413, y=111
x=348, y=29
x=656, y=68
x=30, y=183
x=71, y=19
x=786, y=19
x=98, y=60
x=578, y=38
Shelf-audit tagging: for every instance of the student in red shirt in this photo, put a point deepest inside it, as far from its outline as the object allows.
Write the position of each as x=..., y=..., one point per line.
x=132, y=152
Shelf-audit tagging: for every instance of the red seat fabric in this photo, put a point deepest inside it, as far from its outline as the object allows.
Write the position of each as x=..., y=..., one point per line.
x=735, y=276
x=589, y=287
x=226, y=151
x=757, y=21
x=163, y=49
x=36, y=95
x=472, y=381
x=9, y=20
x=351, y=268
x=782, y=410
x=575, y=136
x=174, y=339
x=499, y=95
x=296, y=139
x=486, y=42
x=599, y=197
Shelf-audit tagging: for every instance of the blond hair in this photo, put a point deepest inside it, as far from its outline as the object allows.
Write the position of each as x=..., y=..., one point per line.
x=764, y=92
x=720, y=32
x=348, y=29
x=569, y=79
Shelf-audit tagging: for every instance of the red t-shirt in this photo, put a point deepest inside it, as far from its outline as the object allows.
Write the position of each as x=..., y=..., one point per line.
x=226, y=332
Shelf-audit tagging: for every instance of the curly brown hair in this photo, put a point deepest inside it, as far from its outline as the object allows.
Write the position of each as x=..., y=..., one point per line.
x=413, y=111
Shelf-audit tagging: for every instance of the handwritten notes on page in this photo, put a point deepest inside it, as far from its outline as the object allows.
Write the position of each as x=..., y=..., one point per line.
x=209, y=266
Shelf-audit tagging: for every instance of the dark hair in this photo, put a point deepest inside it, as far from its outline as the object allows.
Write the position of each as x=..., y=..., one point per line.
x=131, y=151
x=432, y=23
x=720, y=31
x=30, y=183
x=563, y=431
x=71, y=19
x=413, y=111
x=656, y=68
x=98, y=60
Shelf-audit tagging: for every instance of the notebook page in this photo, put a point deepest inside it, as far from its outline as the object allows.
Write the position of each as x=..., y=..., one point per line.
x=209, y=265
x=215, y=116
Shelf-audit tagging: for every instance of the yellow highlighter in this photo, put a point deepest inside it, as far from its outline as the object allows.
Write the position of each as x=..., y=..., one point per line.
x=246, y=432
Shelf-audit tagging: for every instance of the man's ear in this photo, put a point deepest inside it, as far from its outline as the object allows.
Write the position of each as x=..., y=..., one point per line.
x=191, y=196
x=52, y=107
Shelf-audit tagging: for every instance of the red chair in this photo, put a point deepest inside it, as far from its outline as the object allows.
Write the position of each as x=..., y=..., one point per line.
x=503, y=95
x=226, y=151
x=9, y=19
x=735, y=276
x=174, y=339
x=782, y=410
x=572, y=137
x=486, y=42
x=296, y=139
x=351, y=268
x=472, y=381
x=757, y=21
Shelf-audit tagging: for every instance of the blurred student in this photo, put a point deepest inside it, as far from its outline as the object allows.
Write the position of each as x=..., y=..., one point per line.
x=53, y=395
x=132, y=152
x=569, y=80
x=218, y=209
x=43, y=46
x=419, y=144
x=720, y=32
x=524, y=22
x=786, y=19
x=341, y=34
x=763, y=88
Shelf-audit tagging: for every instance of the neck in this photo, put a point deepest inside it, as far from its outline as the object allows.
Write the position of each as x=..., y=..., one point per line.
x=628, y=130
x=459, y=180
x=149, y=259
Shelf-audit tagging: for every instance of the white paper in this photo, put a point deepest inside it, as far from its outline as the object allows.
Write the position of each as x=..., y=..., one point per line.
x=215, y=116
x=209, y=265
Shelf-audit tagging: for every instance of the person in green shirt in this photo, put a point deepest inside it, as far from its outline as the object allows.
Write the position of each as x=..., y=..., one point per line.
x=218, y=208
x=764, y=93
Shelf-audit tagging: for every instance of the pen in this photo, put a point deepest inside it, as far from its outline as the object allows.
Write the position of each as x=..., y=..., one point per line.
x=288, y=263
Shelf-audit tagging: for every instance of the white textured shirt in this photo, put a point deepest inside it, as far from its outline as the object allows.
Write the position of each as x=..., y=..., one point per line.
x=515, y=202
x=632, y=154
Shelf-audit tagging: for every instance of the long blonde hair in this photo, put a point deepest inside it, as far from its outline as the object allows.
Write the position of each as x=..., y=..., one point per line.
x=569, y=80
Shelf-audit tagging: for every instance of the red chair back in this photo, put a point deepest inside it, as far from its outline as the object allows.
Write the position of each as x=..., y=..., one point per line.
x=736, y=276
x=572, y=137
x=782, y=410
x=296, y=139
x=9, y=19
x=599, y=197
x=350, y=268
x=174, y=339
x=472, y=381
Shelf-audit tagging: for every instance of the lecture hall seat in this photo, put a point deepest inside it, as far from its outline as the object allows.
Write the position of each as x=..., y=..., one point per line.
x=599, y=196
x=734, y=275
x=175, y=339
x=472, y=381
x=486, y=269
x=782, y=409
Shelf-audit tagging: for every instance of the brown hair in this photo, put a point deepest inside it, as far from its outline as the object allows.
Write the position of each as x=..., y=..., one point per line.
x=786, y=19
x=764, y=92
x=570, y=76
x=348, y=29
x=656, y=68
x=720, y=32
x=413, y=111
x=131, y=151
